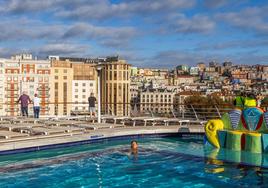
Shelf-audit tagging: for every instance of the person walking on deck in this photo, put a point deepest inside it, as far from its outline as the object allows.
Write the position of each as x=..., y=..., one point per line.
x=36, y=106
x=92, y=103
x=24, y=101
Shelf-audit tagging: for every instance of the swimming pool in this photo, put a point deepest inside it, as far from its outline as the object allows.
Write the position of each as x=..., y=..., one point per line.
x=160, y=162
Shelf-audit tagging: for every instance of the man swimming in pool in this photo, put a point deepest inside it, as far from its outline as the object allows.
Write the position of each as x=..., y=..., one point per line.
x=134, y=147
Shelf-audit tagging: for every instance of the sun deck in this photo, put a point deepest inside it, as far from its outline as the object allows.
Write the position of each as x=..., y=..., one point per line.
x=26, y=133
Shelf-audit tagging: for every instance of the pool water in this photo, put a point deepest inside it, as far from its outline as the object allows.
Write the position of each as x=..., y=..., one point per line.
x=160, y=162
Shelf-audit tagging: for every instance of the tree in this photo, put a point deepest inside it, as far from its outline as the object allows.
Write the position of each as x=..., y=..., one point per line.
x=206, y=107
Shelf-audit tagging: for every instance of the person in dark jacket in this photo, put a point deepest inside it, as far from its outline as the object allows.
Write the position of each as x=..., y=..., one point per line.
x=24, y=102
x=92, y=105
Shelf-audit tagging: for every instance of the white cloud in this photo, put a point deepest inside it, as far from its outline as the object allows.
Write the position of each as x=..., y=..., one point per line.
x=105, y=9
x=252, y=19
x=63, y=49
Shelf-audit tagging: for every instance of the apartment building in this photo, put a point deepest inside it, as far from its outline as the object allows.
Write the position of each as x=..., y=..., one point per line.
x=23, y=74
x=157, y=101
x=83, y=84
x=61, y=87
x=183, y=79
x=115, y=87
x=2, y=87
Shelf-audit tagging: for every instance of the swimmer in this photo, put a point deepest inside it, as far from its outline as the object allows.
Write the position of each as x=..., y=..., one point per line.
x=134, y=147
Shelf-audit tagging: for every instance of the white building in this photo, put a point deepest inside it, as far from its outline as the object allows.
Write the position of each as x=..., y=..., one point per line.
x=81, y=91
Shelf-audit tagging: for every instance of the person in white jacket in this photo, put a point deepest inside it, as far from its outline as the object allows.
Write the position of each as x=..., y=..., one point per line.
x=36, y=106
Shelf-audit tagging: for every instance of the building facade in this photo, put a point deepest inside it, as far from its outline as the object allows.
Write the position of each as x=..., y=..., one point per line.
x=159, y=101
x=23, y=74
x=61, y=87
x=115, y=87
x=83, y=84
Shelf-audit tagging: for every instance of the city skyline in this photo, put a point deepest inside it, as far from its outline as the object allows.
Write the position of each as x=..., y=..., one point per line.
x=145, y=33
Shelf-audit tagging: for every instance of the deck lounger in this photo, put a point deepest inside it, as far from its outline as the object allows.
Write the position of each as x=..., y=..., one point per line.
x=7, y=118
x=91, y=119
x=118, y=125
x=6, y=127
x=197, y=122
x=135, y=120
x=70, y=129
x=184, y=123
x=10, y=134
x=77, y=118
x=97, y=126
x=51, y=123
x=104, y=126
x=105, y=118
x=47, y=131
x=86, y=126
x=170, y=120
x=5, y=122
x=122, y=119
x=66, y=123
x=144, y=120
x=15, y=127
x=28, y=120
x=154, y=121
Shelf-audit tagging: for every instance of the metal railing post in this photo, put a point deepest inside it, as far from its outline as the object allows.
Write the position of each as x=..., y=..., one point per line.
x=218, y=111
x=99, y=99
x=195, y=113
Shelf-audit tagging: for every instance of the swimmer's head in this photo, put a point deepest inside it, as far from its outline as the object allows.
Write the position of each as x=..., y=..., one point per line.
x=134, y=144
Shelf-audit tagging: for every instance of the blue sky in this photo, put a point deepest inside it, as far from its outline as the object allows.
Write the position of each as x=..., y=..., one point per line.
x=147, y=33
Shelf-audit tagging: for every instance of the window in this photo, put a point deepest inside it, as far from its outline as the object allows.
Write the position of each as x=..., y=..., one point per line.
x=76, y=90
x=56, y=71
x=91, y=84
x=65, y=77
x=76, y=96
x=46, y=79
x=76, y=84
x=83, y=90
x=56, y=77
x=65, y=70
x=84, y=84
x=115, y=75
x=84, y=96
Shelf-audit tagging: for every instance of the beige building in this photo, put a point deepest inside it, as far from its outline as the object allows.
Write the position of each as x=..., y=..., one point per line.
x=61, y=87
x=157, y=101
x=115, y=88
x=183, y=79
x=83, y=84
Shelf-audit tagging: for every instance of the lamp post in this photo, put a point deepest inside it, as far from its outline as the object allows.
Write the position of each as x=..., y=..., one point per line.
x=98, y=68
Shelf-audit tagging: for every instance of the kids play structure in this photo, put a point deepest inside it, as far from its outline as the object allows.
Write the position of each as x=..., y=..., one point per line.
x=240, y=130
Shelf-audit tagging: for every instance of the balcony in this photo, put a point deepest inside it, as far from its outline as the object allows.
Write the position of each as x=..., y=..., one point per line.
x=11, y=89
x=12, y=96
x=43, y=88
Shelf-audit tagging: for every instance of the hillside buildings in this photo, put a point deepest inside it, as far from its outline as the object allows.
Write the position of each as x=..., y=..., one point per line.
x=65, y=83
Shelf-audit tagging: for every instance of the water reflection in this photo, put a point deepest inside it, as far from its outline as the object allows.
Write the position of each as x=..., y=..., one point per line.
x=240, y=165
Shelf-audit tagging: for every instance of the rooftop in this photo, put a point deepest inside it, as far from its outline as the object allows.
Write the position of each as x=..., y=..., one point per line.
x=21, y=134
